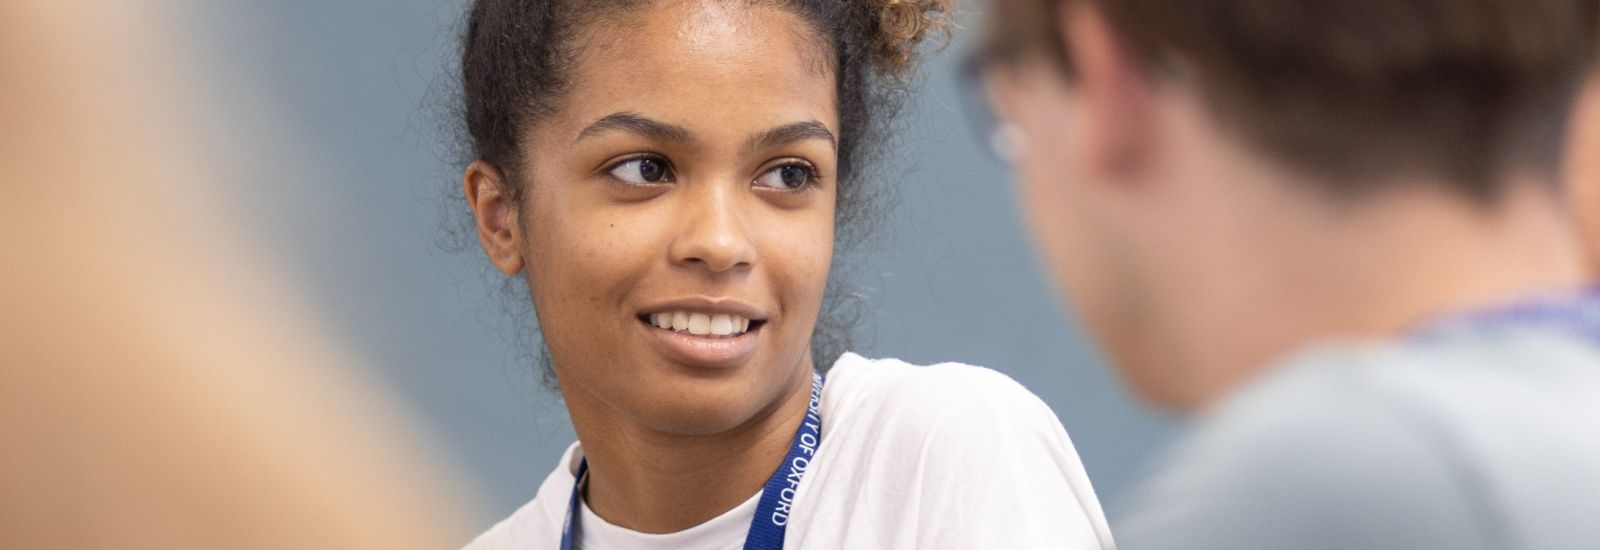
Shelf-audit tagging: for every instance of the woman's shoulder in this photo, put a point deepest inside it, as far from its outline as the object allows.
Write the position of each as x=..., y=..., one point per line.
x=538, y=523
x=905, y=396
x=898, y=383
x=987, y=461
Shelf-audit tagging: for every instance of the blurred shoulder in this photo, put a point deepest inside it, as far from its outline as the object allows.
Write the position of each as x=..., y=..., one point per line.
x=1335, y=446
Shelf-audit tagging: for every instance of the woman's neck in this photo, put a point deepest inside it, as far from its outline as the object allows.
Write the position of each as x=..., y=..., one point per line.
x=652, y=481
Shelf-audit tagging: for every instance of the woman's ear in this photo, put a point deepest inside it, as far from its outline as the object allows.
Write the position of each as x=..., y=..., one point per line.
x=496, y=211
x=1119, y=100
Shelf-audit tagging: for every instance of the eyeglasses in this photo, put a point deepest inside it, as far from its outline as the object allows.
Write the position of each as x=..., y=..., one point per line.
x=1002, y=138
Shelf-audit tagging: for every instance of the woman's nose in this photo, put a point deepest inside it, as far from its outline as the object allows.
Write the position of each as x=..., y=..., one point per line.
x=713, y=233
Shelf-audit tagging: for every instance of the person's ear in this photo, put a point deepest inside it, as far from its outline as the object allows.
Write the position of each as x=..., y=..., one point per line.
x=496, y=211
x=1118, y=95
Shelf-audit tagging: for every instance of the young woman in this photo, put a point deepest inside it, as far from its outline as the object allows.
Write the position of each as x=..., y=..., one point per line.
x=667, y=176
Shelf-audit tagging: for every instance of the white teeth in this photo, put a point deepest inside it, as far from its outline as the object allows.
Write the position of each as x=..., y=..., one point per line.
x=701, y=324
x=721, y=325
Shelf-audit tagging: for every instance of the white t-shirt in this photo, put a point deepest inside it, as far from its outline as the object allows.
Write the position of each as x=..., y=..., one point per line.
x=947, y=456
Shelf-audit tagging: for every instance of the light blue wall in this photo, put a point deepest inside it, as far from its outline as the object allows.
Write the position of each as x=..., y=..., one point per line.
x=349, y=196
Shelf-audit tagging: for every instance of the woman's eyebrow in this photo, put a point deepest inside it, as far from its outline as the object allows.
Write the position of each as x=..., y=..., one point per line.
x=636, y=123
x=790, y=133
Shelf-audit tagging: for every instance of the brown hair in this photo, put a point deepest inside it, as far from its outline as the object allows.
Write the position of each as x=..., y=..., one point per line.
x=1352, y=91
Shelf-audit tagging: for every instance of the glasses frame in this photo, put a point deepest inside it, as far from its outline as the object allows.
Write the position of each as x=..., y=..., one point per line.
x=1000, y=138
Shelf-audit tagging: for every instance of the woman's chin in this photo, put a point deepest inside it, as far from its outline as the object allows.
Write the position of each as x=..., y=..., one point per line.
x=663, y=395
x=699, y=416
x=700, y=407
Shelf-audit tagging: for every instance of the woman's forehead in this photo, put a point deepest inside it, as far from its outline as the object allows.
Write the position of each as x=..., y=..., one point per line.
x=702, y=41
x=703, y=66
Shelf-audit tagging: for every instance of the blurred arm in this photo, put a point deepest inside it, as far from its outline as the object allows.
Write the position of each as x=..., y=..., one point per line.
x=160, y=384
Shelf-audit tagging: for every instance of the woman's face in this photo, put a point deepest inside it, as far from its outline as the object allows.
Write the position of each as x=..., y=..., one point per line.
x=676, y=223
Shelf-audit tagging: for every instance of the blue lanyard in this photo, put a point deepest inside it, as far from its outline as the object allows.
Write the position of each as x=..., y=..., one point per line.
x=1577, y=313
x=777, y=496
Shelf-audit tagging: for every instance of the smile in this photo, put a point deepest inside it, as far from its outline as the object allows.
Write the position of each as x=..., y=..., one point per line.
x=700, y=324
x=705, y=335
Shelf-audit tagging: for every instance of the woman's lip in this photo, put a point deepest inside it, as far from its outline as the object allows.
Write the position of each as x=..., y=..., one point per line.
x=701, y=351
x=709, y=306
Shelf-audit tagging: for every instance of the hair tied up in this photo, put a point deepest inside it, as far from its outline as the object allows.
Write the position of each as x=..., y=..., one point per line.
x=899, y=27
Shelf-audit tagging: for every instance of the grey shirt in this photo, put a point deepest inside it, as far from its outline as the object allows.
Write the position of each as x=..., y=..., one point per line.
x=1468, y=436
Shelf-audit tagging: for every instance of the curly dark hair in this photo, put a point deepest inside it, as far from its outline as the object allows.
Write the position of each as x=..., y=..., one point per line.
x=517, y=56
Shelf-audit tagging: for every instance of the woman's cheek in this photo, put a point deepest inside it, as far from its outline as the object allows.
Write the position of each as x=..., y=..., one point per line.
x=574, y=263
x=805, y=255
x=610, y=256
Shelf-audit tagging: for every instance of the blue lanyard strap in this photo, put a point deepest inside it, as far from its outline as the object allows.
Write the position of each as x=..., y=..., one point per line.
x=777, y=496
x=570, y=526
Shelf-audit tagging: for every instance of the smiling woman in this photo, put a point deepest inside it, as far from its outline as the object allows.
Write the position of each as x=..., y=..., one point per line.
x=670, y=178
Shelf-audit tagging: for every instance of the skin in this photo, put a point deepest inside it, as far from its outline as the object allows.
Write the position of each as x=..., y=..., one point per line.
x=671, y=443
x=1583, y=165
x=1196, y=261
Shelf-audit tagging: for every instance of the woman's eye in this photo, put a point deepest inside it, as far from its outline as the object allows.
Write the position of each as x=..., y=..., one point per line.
x=643, y=171
x=788, y=177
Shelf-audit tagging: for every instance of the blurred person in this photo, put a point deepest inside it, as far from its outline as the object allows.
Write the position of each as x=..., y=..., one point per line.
x=1583, y=164
x=160, y=384
x=668, y=178
x=1331, y=233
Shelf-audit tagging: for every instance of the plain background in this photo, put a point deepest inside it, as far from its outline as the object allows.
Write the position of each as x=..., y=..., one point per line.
x=337, y=118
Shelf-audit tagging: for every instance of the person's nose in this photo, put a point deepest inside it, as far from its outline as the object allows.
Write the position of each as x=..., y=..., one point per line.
x=713, y=232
